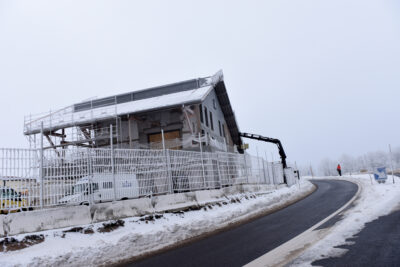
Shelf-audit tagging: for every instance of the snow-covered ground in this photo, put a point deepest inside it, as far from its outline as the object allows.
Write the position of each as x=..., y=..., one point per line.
x=140, y=235
x=375, y=200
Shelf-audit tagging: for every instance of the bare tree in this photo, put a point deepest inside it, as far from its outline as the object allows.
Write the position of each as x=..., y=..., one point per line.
x=348, y=163
x=327, y=167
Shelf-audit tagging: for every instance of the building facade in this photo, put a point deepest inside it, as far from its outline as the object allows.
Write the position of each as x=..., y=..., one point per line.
x=175, y=116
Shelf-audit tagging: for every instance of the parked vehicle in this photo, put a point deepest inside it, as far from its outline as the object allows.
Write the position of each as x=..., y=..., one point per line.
x=99, y=188
x=10, y=200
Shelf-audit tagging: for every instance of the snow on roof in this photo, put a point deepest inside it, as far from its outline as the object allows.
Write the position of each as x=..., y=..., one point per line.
x=67, y=117
x=180, y=98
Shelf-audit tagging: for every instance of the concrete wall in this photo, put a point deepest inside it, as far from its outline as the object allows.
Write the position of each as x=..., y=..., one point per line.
x=2, y=217
x=121, y=209
x=40, y=220
x=175, y=202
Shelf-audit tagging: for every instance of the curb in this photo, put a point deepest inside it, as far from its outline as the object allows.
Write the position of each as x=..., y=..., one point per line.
x=240, y=220
x=290, y=250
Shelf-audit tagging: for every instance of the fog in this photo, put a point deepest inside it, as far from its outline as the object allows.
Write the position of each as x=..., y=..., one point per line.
x=322, y=76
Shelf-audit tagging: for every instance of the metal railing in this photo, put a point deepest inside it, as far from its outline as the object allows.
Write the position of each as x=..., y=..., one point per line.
x=31, y=178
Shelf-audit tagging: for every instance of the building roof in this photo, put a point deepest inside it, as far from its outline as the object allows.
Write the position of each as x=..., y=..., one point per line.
x=143, y=94
x=172, y=95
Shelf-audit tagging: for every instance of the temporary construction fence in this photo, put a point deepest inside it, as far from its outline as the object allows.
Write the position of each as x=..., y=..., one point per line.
x=35, y=178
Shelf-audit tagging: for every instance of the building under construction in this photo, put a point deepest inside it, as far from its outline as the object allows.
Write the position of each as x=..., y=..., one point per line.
x=162, y=140
x=171, y=116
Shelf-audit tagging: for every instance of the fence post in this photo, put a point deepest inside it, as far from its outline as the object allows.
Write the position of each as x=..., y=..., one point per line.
x=41, y=175
x=202, y=162
x=259, y=168
x=273, y=174
x=298, y=174
x=266, y=160
x=219, y=172
x=245, y=167
x=162, y=138
x=169, y=170
x=90, y=180
x=112, y=162
x=168, y=164
x=265, y=176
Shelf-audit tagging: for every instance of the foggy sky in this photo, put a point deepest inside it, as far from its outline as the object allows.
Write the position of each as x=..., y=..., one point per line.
x=323, y=76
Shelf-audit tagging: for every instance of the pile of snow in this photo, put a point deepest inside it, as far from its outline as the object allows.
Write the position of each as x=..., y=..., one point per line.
x=136, y=236
x=375, y=200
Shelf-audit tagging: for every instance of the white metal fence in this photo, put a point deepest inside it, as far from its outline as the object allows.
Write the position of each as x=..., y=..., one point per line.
x=31, y=178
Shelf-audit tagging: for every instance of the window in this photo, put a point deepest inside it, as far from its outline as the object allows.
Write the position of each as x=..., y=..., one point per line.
x=214, y=104
x=223, y=130
x=219, y=127
x=206, y=114
x=9, y=193
x=94, y=187
x=107, y=185
x=201, y=113
x=211, y=121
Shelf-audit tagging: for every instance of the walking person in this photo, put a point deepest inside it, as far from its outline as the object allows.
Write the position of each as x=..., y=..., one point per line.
x=339, y=170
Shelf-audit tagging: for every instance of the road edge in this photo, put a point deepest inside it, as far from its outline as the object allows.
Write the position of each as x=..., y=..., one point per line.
x=291, y=249
x=236, y=223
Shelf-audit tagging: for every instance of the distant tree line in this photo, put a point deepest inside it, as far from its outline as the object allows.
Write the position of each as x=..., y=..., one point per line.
x=363, y=163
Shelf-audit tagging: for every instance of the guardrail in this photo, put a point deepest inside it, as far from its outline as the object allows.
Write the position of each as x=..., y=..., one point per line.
x=31, y=178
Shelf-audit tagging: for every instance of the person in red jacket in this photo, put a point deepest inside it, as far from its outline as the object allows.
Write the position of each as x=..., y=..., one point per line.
x=339, y=170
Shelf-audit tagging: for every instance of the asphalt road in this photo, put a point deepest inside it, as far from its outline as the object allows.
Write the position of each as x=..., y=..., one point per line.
x=242, y=244
x=378, y=244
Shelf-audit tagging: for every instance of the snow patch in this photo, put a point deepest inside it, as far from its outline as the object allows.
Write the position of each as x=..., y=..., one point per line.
x=375, y=200
x=137, y=235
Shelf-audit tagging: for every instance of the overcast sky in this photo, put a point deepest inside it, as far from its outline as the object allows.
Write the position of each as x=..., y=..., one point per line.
x=323, y=76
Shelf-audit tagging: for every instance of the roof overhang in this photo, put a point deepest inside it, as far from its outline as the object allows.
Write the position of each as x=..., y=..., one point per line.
x=228, y=112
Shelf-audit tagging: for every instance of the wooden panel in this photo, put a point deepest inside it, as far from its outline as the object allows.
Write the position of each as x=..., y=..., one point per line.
x=155, y=137
x=167, y=136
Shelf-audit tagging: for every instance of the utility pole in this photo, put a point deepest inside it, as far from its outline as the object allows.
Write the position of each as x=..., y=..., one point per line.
x=41, y=174
x=112, y=161
x=391, y=161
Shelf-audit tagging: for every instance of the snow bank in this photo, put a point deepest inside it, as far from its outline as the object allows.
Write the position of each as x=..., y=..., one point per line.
x=375, y=200
x=139, y=236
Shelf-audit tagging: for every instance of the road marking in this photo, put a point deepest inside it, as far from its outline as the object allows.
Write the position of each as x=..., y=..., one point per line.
x=288, y=251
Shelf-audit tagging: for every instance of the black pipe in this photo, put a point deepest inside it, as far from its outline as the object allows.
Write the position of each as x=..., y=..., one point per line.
x=275, y=141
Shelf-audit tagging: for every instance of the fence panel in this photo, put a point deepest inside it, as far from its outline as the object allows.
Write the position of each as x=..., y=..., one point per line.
x=232, y=168
x=65, y=176
x=187, y=170
x=257, y=170
x=91, y=175
x=277, y=172
x=146, y=169
x=290, y=176
x=19, y=173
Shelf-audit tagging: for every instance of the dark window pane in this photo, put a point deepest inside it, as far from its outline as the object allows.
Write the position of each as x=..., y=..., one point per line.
x=211, y=121
x=206, y=114
x=201, y=113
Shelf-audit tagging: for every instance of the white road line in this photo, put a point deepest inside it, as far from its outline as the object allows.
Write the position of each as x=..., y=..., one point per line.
x=288, y=251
